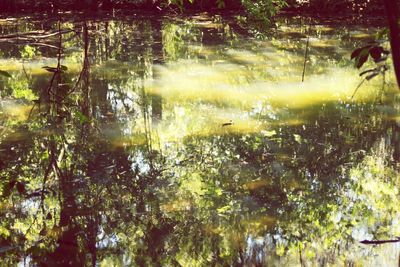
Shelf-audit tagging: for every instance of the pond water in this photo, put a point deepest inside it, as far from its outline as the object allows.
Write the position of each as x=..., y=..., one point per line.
x=192, y=141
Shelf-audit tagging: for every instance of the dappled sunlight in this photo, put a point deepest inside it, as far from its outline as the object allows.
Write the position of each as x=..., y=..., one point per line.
x=327, y=43
x=219, y=99
x=204, y=120
x=235, y=86
x=194, y=141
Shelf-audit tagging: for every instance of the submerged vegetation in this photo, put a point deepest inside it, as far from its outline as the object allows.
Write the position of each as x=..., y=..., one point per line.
x=201, y=139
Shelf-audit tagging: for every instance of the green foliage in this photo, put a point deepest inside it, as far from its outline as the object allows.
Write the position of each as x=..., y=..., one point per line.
x=28, y=52
x=19, y=88
x=81, y=117
x=344, y=5
x=377, y=53
x=263, y=9
x=176, y=39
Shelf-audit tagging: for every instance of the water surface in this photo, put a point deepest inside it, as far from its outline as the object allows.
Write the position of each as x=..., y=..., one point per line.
x=171, y=141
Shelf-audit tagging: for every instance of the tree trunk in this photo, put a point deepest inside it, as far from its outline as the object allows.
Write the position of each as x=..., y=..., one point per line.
x=158, y=58
x=392, y=13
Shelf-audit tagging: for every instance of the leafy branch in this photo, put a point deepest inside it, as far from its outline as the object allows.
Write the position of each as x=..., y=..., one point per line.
x=379, y=55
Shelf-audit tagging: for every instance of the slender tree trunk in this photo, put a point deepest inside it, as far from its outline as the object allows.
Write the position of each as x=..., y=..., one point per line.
x=158, y=58
x=396, y=141
x=392, y=13
x=85, y=81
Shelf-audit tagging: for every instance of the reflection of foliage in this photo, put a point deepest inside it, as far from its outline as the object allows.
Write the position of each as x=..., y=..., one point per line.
x=175, y=39
x=297, y=199
x=19, y=86
x=263, y=9
x=85, y=181
x=374, y=195
x=28, y=52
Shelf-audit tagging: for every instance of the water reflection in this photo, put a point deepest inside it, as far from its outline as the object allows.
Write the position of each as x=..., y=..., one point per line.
x=166, y=142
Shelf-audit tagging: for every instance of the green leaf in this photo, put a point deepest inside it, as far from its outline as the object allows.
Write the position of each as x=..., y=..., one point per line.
x=50, y=69
x=81, y=117
x=376, y=52
x=64, y=68
x=53, y=69
x=5, y=74
x=362, y=58
x=355, y=53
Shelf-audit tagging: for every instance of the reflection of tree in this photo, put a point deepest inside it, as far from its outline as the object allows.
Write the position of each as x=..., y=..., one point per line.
x=67, y=248
x=158, y=58
x=80, y=191
x=288, y=185
x=96, y=186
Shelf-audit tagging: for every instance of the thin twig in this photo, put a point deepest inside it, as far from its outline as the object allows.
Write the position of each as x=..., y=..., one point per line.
x=358, y=87
x=45, y=45
x=378, y=242
x=305, y=58
x=26, y=36
x=301, y=256
x=85, y=33
x=78, y=81
x=21, y=34
x=58, y=60
x=30, y=112
x=45, y=177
